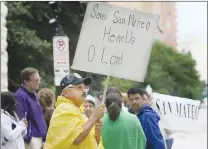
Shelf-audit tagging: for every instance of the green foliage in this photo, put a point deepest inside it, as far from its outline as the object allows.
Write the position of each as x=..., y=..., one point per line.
x=25, y=47
x=123, y=84
x=168, y=72
x=30, y=38
x=178, y=75
x=30, y=44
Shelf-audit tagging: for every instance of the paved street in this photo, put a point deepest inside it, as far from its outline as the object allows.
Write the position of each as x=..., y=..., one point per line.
x=196, y=140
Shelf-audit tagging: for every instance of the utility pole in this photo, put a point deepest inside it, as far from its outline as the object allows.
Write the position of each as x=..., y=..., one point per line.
x=60, y=50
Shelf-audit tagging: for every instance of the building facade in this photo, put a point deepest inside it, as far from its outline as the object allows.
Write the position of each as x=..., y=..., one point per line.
x=167, y=12
x=168, y=23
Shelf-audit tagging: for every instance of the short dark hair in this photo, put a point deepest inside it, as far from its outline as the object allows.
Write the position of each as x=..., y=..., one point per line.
x=26, y=73
x=8, y=102
x=113, y=90
x=135, y=91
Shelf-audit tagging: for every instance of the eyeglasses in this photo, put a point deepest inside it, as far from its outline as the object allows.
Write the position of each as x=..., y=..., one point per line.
x=36, y=80
x=70, y=86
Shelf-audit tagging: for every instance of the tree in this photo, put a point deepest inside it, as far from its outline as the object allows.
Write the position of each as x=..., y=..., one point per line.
x=168, y=72
x=25, y=45
x=123, y=84
x=30, y=38
x=30, y=44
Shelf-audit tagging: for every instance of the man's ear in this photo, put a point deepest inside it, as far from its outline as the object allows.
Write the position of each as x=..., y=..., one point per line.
x=24, y=81
x=62, y=92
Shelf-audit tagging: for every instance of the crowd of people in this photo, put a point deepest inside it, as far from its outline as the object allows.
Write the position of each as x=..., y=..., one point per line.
x=77, y=120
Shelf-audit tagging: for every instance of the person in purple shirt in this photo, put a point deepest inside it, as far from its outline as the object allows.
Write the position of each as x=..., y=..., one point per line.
x=29, y=107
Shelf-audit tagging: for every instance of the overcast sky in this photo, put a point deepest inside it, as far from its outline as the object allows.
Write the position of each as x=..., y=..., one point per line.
x=192, y=19
x=192, y=22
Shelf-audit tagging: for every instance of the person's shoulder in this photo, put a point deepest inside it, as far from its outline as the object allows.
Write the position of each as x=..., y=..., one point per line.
x=19, y=91
x=129, y=116
x=64, y=107
x=148, y=114
x=21, y=98
x=105, y=115
x=69, y=109
x=4, y=117
x=131, y=120
x=151, y=117
x=125, y=109
x=148, y=111
x=20, y=94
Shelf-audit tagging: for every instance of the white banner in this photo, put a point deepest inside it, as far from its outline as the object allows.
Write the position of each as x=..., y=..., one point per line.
x=176, y=113
x=115, y=41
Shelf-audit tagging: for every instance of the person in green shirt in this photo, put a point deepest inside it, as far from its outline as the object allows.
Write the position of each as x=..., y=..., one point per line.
x=121, y=130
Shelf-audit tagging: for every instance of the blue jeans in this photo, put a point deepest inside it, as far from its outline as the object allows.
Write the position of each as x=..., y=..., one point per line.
x=169, y=143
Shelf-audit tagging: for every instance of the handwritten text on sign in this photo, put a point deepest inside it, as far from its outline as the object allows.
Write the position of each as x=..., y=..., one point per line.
x=115, y=39
x=176, y=112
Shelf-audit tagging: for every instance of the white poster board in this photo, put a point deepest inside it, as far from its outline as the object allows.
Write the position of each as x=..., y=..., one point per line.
x=176, y=113
x=60, y=58
x=115, y=41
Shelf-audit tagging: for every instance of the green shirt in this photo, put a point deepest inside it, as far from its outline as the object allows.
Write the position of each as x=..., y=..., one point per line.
x=124, y=133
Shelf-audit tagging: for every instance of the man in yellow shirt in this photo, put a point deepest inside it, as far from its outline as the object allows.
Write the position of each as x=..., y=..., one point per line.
x=69, y=128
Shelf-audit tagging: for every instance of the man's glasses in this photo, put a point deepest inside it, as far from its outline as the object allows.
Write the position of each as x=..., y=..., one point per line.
x=80, y=87
x=36, y=80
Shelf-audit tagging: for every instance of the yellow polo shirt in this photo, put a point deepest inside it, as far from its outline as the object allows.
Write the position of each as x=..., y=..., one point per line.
x=82, y=107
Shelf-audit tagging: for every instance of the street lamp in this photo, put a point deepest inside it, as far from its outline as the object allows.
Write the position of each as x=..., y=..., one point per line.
x=57, y=26
x=54, y=21
x=54, y=6
x=51, y=21
x=56, y=9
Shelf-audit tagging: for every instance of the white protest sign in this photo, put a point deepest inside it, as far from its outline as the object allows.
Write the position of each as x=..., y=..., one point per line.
x=176, y=113
x=115, y=41
x=60, y=57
